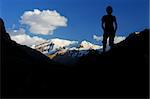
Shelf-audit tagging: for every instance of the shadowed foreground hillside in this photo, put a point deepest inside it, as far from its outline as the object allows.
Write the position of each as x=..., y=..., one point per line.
x=125, y=68
x=23, y=69
x=120, y=72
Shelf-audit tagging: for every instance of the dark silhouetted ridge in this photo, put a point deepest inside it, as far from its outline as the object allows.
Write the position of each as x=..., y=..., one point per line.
x=24, y=69
x=121, y=72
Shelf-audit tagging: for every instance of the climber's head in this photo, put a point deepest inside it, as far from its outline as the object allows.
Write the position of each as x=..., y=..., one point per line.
x=109, y=10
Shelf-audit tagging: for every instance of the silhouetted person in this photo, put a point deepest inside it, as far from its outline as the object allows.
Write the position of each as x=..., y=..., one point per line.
x=109, y=26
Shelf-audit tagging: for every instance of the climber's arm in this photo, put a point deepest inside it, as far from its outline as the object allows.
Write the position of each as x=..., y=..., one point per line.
x=103, y=23
x=115, y=23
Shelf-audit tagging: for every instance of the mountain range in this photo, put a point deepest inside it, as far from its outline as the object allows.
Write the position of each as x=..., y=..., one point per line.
x=66, y=51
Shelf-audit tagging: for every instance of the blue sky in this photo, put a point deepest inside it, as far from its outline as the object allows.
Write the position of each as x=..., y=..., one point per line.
x=84, y=16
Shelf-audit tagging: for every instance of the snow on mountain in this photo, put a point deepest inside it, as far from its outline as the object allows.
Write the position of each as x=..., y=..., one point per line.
x=87, y=45
x=61, y=46
x=66, y=51
x=63, y=43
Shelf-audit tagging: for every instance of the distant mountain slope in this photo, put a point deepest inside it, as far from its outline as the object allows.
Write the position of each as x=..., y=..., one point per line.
x=70, y=57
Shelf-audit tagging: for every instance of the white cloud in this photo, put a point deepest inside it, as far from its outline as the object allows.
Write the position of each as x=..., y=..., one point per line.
x=97, y=38
x=27, y=40
x=117, y=39
x=14, y=32
x=43, y=22
x=22, y=38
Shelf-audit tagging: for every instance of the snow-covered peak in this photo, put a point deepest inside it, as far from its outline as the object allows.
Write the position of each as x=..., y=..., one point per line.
x=137, y=33
x=87, y=45
x=63, y=43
